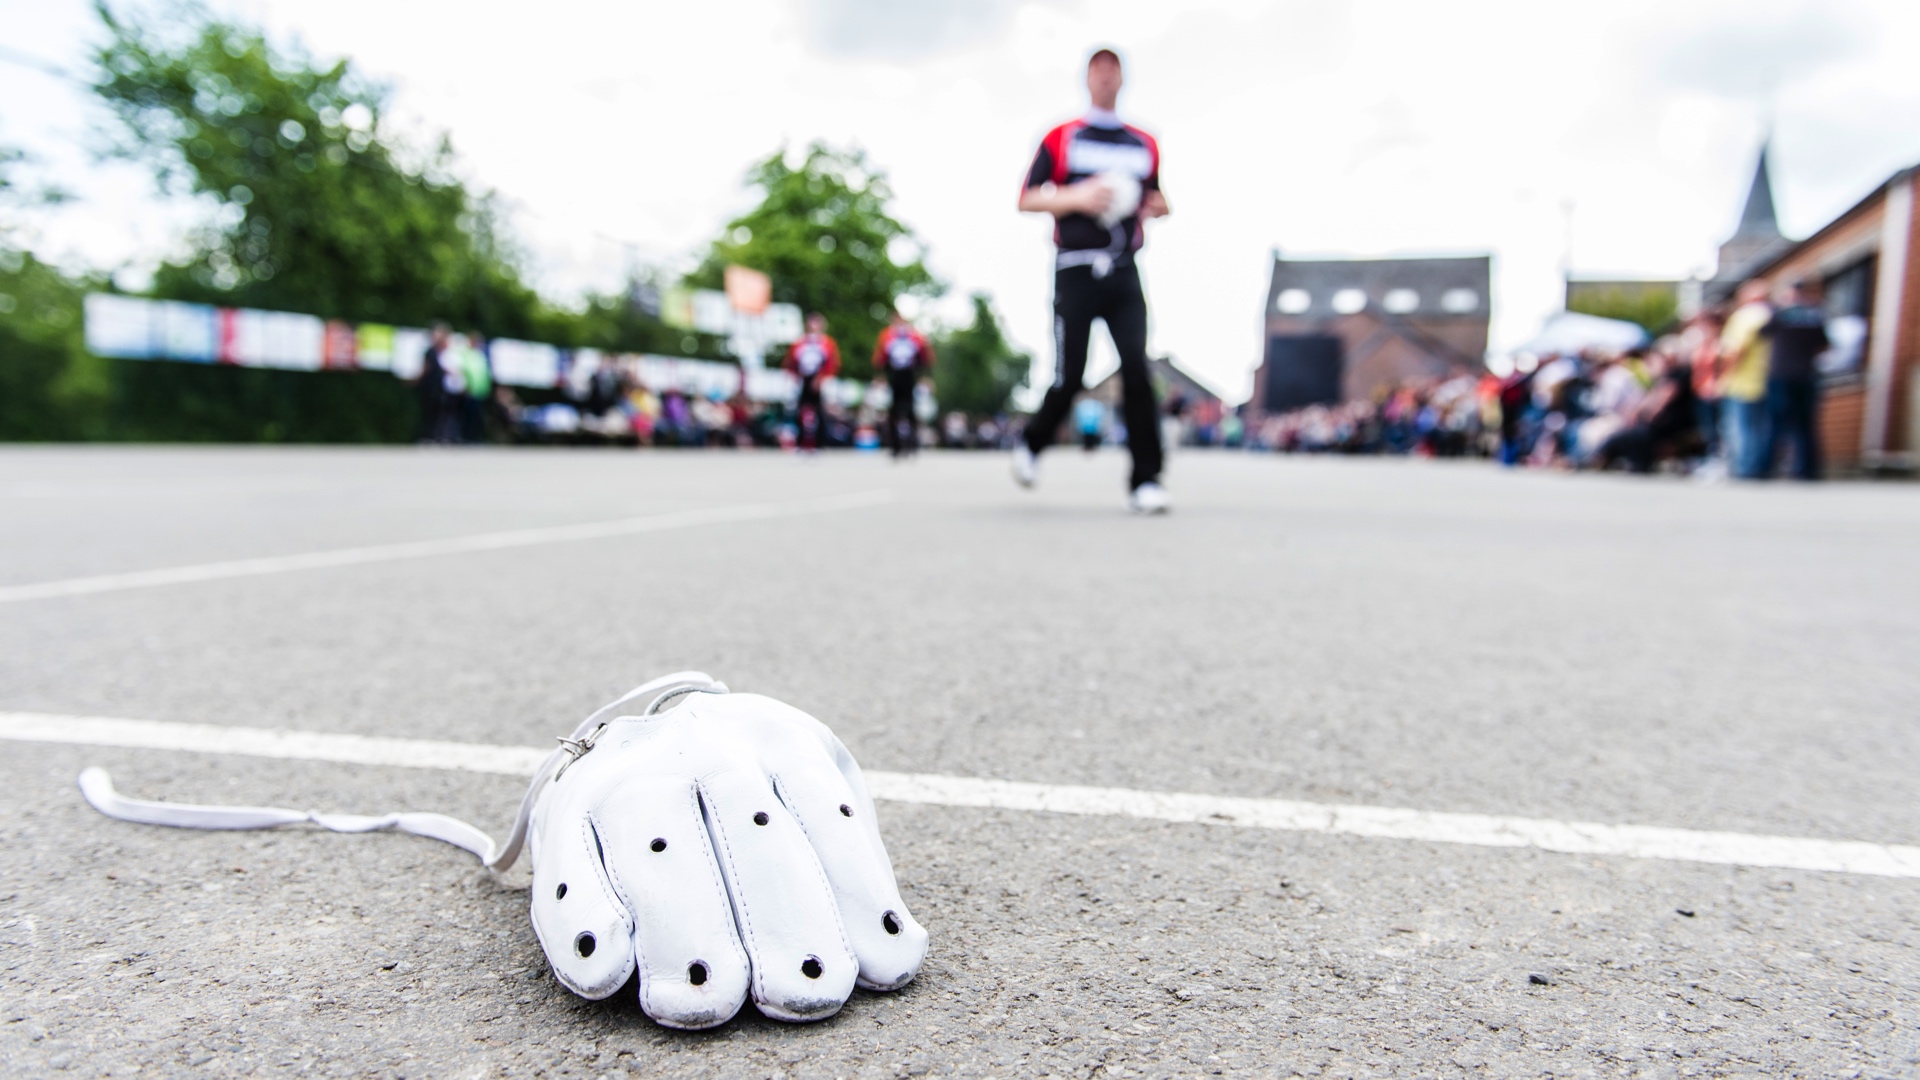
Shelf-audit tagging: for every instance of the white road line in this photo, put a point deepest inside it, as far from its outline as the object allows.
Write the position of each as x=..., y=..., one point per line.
x=419, y=549
x=1482, y=830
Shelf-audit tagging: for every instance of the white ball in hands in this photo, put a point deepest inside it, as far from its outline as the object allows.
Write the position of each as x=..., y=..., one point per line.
x=1125, y=188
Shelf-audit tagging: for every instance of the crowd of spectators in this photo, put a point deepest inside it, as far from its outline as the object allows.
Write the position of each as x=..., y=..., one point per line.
x=1430, y=418
x=612, y=404
x=1733, y=392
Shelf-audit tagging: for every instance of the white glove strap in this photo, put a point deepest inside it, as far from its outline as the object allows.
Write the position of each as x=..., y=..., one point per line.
x=98, y=789
x=97, y=786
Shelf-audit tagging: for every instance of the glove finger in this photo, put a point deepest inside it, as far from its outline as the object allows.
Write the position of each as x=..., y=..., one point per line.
x=693, y=972
x=584, y=928
x=803, y=967
x=839, y=822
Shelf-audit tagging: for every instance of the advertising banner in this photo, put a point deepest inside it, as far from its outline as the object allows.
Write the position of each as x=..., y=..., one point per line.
x=772, y=385
x=409, y=352
x=339, y=348
x=712, y=313
x=128, y=327
x=676, y=308
x=749, y=291
x=579, y=368
x=524, y=363
x=187, y=332
x=243, y=337
x=119, y=326
x=784, y=325
x=291, y=342
x=373, y=347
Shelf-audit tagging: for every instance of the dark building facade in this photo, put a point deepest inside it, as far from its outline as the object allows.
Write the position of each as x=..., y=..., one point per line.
x=1346, y=329
x=1866, y=259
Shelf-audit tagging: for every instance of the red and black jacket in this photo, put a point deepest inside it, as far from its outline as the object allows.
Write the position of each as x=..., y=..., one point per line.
x=902, y=348
x=1077, y=150
x=814, y=357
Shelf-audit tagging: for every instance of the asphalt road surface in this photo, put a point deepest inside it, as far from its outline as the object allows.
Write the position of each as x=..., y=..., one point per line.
x=1437, y=637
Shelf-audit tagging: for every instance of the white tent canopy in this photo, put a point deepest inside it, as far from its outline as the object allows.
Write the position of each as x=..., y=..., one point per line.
x=1568, y=332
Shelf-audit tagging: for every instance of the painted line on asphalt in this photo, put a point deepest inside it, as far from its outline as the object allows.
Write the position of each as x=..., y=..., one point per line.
x=453, y=545
x=1380, y=822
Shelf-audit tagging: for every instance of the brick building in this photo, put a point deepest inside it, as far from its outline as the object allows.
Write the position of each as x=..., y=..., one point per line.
x=1870, y=414
x=1347, y=329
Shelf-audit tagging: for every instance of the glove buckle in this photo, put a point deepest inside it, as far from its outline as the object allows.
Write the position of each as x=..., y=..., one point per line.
x=576, y=749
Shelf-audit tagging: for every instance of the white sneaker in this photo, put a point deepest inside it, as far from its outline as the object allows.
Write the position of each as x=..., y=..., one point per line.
x=1026, y=467
x=1149, y=498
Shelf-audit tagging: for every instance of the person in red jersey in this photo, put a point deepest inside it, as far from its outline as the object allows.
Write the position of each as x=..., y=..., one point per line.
x=813, y=359
x=1100, y=179
x=906, y=356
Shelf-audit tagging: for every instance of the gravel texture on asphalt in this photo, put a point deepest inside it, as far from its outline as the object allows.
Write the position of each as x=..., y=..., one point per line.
x=1429, y=635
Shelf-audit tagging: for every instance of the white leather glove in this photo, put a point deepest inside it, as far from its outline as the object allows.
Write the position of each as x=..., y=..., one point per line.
x=723, y=844
x=1126, y=197
x=725, y=847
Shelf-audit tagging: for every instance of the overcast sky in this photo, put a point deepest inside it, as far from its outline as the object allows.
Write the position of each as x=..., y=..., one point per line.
x=1318, y=127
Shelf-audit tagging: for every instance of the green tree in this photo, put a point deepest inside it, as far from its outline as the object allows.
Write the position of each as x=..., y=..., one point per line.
x=49, y=387
x=977, y=369
x=1655, y=307
x=317, y=208
x=614, y=322
x=825, y=235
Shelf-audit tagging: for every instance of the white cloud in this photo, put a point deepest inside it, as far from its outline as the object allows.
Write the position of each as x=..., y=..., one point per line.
x=889, y=30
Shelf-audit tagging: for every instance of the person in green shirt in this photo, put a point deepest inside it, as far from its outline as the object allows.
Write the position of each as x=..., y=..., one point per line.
x=477, y=374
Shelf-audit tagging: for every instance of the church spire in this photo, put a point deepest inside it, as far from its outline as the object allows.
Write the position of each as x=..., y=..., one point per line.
x=1758, y=238
x=1757, y=221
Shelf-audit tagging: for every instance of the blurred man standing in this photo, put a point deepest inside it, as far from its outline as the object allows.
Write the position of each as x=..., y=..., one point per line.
x=431, y=387
x=1744, y=353
x=1100, y=179
x=906, y=356
x=1798, y=333
x=813, y=359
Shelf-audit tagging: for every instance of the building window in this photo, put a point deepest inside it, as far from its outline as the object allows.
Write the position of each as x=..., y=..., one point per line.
x=1349, y=301
x=1400, y=301
x=1849, y=305
x=1294, y=301
x=1460, y=301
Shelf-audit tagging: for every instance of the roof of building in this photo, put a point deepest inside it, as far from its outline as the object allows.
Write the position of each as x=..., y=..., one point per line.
x=1173, y=374
x=1437, y=288
x=1878, y=193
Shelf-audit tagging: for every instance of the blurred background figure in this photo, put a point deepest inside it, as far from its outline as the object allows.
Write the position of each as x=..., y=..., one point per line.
x=1700, y=344
x=907, y=358
x=1744, y=355
x=1797, y=335
x=476, y=379
x=430, y=388
x=813, y=360
x=1090, y=422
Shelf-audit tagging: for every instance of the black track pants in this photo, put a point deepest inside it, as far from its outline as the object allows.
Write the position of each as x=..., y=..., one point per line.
x=1078, y=299
x=903, y=428
x=810, y=414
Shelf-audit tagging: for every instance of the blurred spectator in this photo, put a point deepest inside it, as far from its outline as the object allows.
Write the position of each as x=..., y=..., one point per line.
x=1744, y=352
x=1661, y=422
x=1798, y=334
x=1090, y=422
x=1700, y=345
x=1431, y=418
x=479, y=378
x=431, y=388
